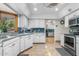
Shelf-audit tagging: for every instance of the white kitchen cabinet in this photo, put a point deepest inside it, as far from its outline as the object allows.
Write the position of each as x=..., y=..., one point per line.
x=0, y=49
x=39, y=38
x=26, y=42
x=36, y=23
x=22, y=43
x=35, y=38
x=8, y=50
x=16, y=47
x=29, y=42
x=12, y=48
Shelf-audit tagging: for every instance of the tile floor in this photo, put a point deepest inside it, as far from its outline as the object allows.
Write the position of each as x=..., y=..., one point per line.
x=46, y=50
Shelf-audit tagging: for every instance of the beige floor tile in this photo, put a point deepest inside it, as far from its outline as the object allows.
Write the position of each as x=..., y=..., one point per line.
x=44, y=50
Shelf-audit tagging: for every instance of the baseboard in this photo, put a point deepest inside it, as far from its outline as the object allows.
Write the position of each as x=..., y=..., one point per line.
x=57, y=41
x=24, y=51
x=38, y=43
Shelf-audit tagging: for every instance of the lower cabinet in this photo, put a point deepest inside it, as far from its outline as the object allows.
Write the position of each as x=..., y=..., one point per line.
x=26, y=42
x=8, y=50
x=39, y=38
x=14, y=46
x=22, y=43
x=0, y=49
x=12, y=49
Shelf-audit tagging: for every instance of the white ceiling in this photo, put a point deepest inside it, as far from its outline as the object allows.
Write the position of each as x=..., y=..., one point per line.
x=42, y=8
x=5, y=8
x=20, y=8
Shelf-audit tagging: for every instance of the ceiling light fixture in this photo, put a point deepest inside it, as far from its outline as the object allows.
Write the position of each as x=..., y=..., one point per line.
x=35, y=9
x=56, y=9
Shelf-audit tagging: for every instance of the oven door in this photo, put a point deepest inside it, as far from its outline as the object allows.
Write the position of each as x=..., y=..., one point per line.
x=69, y=44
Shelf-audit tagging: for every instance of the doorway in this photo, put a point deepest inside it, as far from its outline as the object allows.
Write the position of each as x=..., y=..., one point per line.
x=49, y=32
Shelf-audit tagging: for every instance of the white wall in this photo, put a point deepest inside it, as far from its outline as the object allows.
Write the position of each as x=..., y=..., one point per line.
x=59, y=30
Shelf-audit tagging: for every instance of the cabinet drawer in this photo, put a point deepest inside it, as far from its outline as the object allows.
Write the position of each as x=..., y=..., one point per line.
x=10, y=41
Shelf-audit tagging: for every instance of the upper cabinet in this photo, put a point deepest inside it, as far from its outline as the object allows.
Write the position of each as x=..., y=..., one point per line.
x=36, y=23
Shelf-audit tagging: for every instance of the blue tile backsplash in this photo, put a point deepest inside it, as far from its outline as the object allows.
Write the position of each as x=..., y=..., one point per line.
x=40, y=30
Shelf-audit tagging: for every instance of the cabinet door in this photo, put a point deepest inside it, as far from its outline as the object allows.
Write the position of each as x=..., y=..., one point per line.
x=26, y=44
x=29, y=42
x=16, y=47
x=41, y=38
x=0, y=49
x=37, y=38
x=11, y=49
x=22, y=43
x=31, y=39
x=8, y=50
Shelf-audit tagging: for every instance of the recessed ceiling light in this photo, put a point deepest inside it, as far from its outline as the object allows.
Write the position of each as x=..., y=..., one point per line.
x=35, y=9
x=56, y=9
